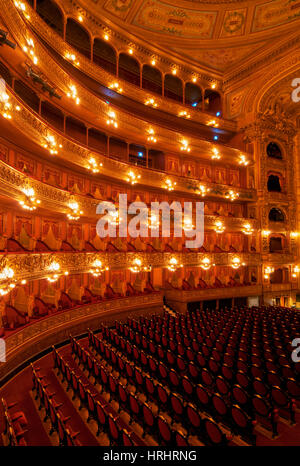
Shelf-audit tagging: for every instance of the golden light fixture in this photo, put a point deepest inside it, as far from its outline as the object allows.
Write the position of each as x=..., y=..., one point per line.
x=170, y=185
x=219, y=227
x=213, y=123
x=295, y=271
x=112, y=119
x=106, y=36
x=116, y=87
x=137, y=266
x=268, y=271
x=173, y=265
x=98, y=268
x=185, y=146
x=153, y=62
x=206, y=263
x=213, y=86
x=236, y=263
x=114, y=218
x=80, y=18
x=75, y=212
x=93, y=166
x=20, y=5
x=294, y=234
x=194, y=79
x=29, y=49
x=151, y=102
x=130, y=51
x=243, y=160
x=72, y=58
x=7, y=282
x=54, y=269
x=151, y=137
x=73, y=94
x=203, y=190
x=174, y=71
x=51, y=144
x=133, y=177
x=232, y=195
x=5, y=105
x=247, y=229
x=265, y=232
x=216, y=154
x=188, y=224
x=31, y=202
x=184, y=114
x=153, y=222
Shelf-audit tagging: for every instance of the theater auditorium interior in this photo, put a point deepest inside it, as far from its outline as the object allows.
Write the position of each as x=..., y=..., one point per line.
x=115, y=330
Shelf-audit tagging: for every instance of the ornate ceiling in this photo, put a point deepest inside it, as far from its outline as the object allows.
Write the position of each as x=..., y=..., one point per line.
x=215, y=34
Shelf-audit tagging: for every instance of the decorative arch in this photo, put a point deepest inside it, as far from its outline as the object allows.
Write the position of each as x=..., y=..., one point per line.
x=105, y=55
x=173, y=88
x=193, y=95
x=274, y=150
x=52, y=14
x=129, y=68
x=276, y=215
x=78, y=37
x=152, y=79
x=275, y=182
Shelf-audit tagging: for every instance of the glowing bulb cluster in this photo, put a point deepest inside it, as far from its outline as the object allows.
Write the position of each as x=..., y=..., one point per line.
x=76, y=213
x=243, y=160
x=98, y=268
x=5, y=106
x=203, y=190
x=116, y=87
x=216, y=154
x=151, y=102
x=232, y=195
x=133, y=177
x=31, y=202
x=173, y=265
x=51, y=144
x=184, y=114
x=29, y=49
x=170, y=185
x=112, y=119
x=93, y=166
x=219, y=227
x=247, y=229
x=72, y=58
x=185, y=146
x=151, y=137
x=73, y=94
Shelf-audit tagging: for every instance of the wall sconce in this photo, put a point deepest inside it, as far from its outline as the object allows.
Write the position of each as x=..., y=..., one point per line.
x=73, y=94
x=206, y=263
x=80, y=18
x=194, y=79
x=268, y=271
x=173, y=265
x=213, y=123
x=94, y=166
x=184, y=114
x=153, y=222
x=112, y=119
x=130, y=51
x=188, y=224
x=116, y=87
x=216, y=154
x=294, y=234
x=174, y=71
x=232, y=195
x=7, y=283
x=151, y=102
x=185, y=146
x=137, y=267
x=236, y=263
x=203, y=190
x=295, y=271
x=219, y=227
x=151, y=137
x=98, y=268
x=153, y=62
x=247, y=230
x=265, y=232
x=243, y=160
x=5, y=105
x=72, y=58
x=76, y=213
x=29, y=49
x=31, y=202
x=54, y=269
x=213, y=86
x=51, y=145
x=133, y=178
x=169, y=184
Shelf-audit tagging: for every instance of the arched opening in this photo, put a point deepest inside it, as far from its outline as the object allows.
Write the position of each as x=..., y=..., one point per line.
x=276, y=243
x=27, y=95
x=129, y=69
x=193, y=95
x=78, y=37
x=212, y=102
x=274, y=184
x=51, y=14
x=137, y=155
x=276, y=215
x=173, y=88
x=274, y=151
x=53, y=115
x=5, y=74
x=105, y=56
x=97, y=140
x=76, y=130
x=117, y=149
x=151, y=79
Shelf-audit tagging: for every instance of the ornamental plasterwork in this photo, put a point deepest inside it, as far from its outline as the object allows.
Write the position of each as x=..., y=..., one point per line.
x=36, y=266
